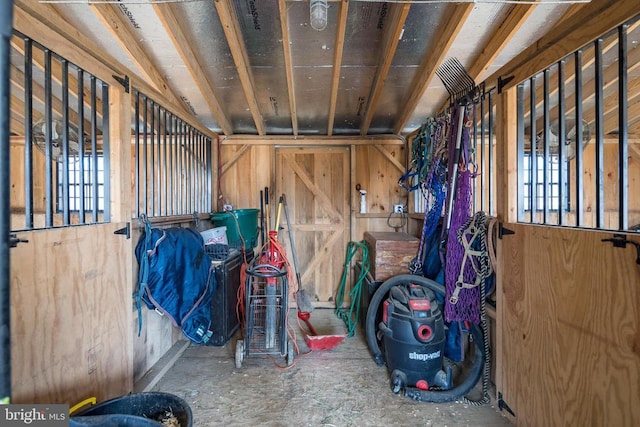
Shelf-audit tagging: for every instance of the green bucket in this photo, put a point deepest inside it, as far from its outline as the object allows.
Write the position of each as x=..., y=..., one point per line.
x=245, y=226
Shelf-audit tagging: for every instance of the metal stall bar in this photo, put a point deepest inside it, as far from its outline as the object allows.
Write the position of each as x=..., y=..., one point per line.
x=533, y=163
x=94, y=151
x=145, y=194
x=152, y=143
x=6, y=19
x=482, y=156
x=165, y=174
x=474, y=155
x=48, y=175
x=490, y=168
x=81, y=148
x=623, y=130
x=209, y=176
x=520, y=149
x=136, y=122
x=172, y=152
x=28, y=133
x=578, y=141
x=106, y=154
x=65, y=144
x=545, y=156
x=562, y=172
x=599, y=118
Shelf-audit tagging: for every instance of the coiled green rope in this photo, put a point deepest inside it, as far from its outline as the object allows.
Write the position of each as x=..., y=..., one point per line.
x=350, y=318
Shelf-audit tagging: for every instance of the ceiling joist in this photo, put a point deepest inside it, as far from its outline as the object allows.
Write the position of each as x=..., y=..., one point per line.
x=288, y=66
x=337, y=64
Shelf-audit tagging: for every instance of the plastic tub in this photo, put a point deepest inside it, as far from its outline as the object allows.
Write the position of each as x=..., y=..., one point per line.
x=215, y=236
x=138, y=409
x=242, y=224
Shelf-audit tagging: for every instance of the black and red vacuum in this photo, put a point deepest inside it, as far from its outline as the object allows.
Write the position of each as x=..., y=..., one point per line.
x=413, y=338
x=405, y=330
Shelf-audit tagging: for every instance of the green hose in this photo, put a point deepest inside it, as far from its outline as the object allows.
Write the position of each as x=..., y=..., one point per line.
x=350, y=318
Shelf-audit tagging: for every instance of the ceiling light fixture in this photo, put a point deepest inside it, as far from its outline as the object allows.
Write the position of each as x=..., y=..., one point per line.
x=318, y=14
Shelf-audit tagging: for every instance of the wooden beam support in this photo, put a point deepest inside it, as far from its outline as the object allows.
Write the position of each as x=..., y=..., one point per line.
x=590, y=21
x=288, y=66
x=239, y=53
x=236, y=156
x=312, y=140
x=452, y=25
x=397, y=18
x=190, y=58
x=337, y=63
x=389, y=157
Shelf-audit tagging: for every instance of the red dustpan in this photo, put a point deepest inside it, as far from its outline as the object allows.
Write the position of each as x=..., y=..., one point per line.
x=318, y=342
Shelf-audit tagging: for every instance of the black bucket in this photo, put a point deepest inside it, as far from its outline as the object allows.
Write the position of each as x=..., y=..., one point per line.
x=135, y=410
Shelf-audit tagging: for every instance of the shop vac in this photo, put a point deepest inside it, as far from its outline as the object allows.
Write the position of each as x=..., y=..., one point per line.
x=413, y=337
x=406, y=331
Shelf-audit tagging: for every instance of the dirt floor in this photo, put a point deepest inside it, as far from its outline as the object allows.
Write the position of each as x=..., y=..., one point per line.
x=338, y=387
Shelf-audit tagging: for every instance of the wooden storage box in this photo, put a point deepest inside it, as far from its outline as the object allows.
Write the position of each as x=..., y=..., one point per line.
x=390, y=253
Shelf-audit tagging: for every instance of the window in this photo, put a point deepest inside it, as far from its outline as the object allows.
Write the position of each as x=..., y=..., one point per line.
x=85, y=187
x=552, y=191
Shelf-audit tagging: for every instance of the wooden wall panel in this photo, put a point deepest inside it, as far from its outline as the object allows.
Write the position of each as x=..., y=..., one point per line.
x=70, y=315
x=571, y=328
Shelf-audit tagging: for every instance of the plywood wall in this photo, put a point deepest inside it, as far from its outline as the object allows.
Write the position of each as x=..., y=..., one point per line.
x=570, y=319
x=71, y=315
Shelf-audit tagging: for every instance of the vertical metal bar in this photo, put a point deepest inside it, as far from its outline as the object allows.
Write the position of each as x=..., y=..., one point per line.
x=81, y=148
x=165, y=169
x=94, y=152
x=180, y=171
x=599, y=107
x=190, y=172
x=578, y=141
x=6, y=19
x=520, y=149
x=483, y=141
x=136, y=122
x=172, y=149
x=209, y=175
x=145, y=194
x=28, y=133
x=48, y=120
x=106, y=154
x=152, y=181
x=476, y=191
x=623, y=129
x=563, y=164
x=158, y=162
x=490, y=168
x=545, y=156
x=533, y=172
x=66, y=220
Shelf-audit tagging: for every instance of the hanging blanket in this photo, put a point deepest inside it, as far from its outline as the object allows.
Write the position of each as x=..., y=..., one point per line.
x=176, y=279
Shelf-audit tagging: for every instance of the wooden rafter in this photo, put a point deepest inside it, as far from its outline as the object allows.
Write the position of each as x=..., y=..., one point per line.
x=453, y=25
x=337, y=63
x=396, y=22
x=288, y=66
x=190, y=58
x=587, y=23
x=240, y=58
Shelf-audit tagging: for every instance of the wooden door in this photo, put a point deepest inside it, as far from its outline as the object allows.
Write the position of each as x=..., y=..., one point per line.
x=71, y=317
x=315, y=182
x=569, y=315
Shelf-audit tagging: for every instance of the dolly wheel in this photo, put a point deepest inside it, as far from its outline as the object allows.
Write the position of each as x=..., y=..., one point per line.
x=290, y=352
x=239, y=353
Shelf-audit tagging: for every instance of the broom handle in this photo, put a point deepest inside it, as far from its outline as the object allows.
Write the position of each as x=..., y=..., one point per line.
x=291, y=241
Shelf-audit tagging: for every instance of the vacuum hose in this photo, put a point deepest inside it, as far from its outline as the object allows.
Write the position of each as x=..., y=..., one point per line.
x=434, y=396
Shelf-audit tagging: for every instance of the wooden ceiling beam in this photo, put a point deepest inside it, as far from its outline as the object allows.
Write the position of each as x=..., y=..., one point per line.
x=337, y=63
x=453, y=23
x=184, y=48
x=397, y=18
x=587, y=23
x=288, y=65
x=240, y=58
x=16, y=126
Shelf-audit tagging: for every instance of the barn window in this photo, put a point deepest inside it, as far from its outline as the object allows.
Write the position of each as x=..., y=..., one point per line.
x=579, y=125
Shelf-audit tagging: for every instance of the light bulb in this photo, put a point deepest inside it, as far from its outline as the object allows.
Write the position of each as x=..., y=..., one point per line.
x=318, y=14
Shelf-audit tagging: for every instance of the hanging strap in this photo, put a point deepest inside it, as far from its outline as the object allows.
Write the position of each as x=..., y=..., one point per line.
x=351, y=318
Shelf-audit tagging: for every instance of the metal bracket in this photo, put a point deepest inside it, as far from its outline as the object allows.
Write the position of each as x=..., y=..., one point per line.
x=14, y=240
x=123, y=81
x=503, y=81
x=503, y=405
x=620, y=241
x=502, y=231
x=126, y=231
